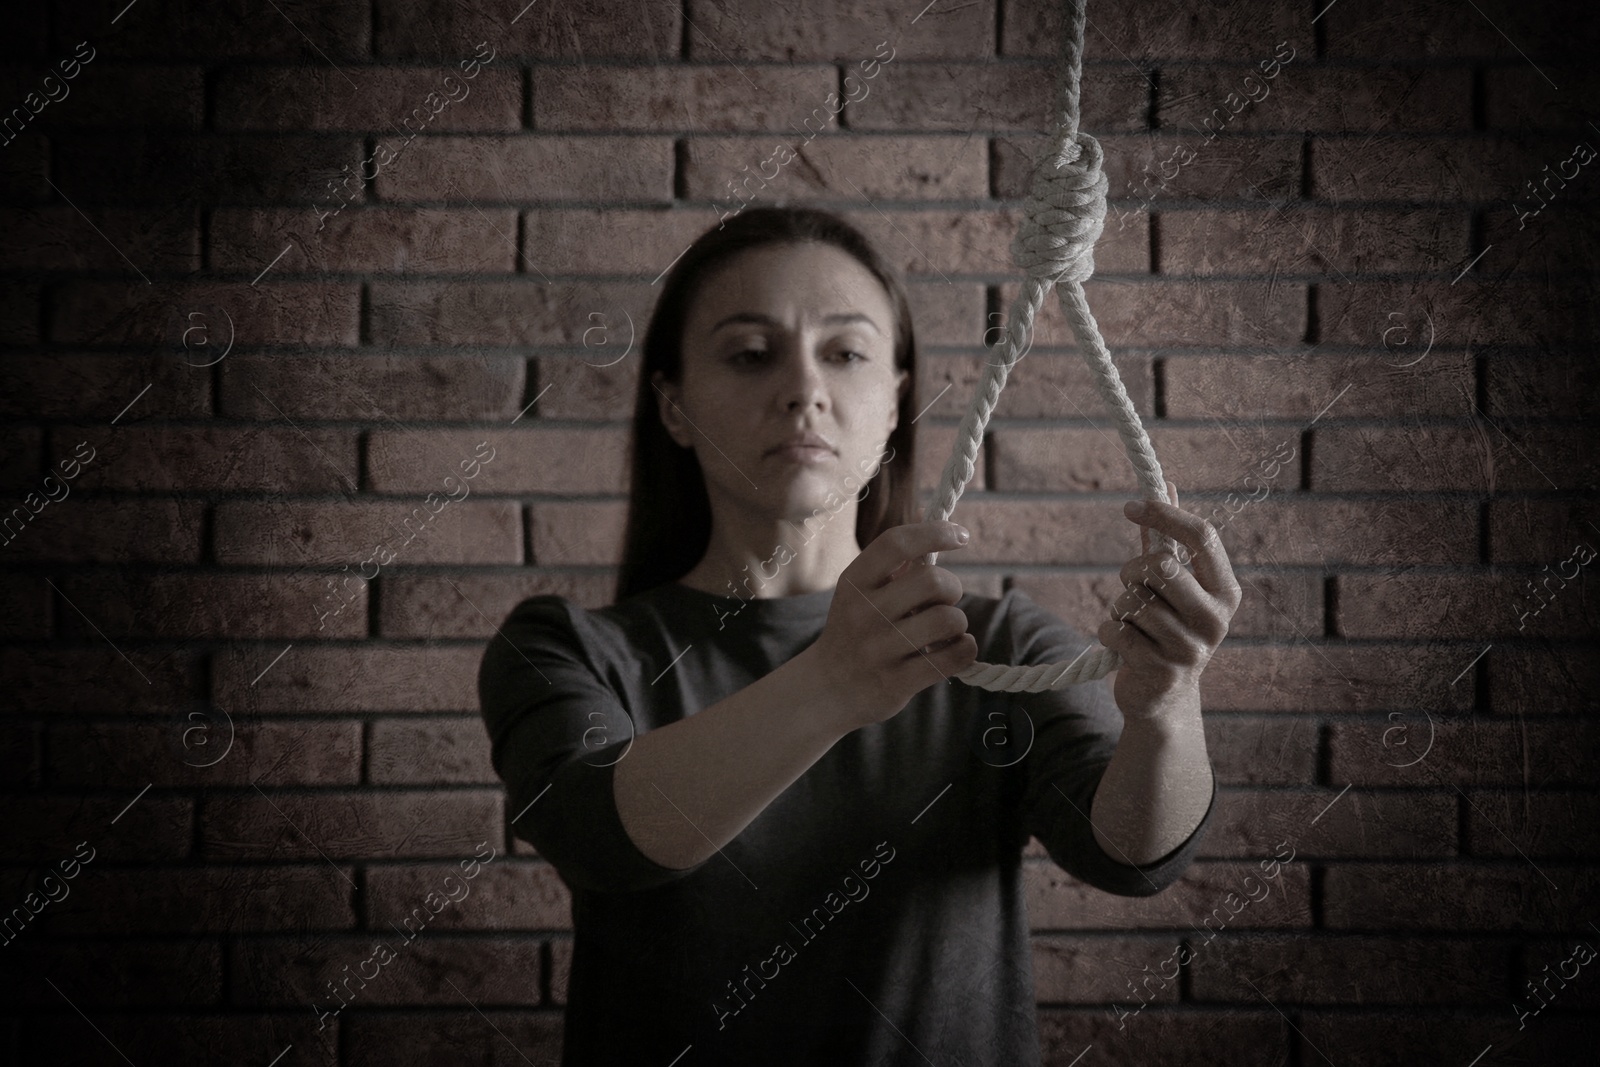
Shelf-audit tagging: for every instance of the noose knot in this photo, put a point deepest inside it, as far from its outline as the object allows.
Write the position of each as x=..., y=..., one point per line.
x=1064, y=213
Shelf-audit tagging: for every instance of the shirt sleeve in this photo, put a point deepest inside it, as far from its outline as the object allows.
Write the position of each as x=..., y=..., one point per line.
x=556, y=731
x=1076, y=729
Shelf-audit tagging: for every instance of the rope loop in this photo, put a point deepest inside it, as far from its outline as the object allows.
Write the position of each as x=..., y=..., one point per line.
x=1064, y=213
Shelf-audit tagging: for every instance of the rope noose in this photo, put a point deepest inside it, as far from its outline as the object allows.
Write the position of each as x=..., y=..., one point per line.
x=1062, y=218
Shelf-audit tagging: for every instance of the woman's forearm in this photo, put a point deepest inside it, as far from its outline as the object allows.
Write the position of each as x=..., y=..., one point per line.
x=685, y=790
x=1158, y=785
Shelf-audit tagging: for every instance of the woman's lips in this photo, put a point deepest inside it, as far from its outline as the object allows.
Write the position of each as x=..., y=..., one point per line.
x=803, y=453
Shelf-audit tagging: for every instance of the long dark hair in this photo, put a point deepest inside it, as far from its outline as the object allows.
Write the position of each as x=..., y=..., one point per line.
x=669, y=512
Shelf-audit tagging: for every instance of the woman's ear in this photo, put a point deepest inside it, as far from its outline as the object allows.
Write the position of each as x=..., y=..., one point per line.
x=667, y=404
x=902, y=385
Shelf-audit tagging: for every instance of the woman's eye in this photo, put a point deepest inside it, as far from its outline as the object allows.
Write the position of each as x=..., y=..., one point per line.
x=859, y=357
x=749, y=355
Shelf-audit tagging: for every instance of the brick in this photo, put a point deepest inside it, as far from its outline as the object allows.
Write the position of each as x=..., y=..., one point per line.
x=193, y=1038
x=213, y=31
x=923, y=243
x=1358, y=825
x=113, y=314
x=454, y=752
x=98, y=387
x=312, y=98
x=301, y=753
x=1466, y=607
x=1378, y=458
x=1303, y=384
x=20, y=761
x=20, y=318
x=529, y=459
x=1336, y=677
x=283, y=972
x=1575, y=994
x=1410, y=749
x=1173, y=313
x=1164, y=1037
x=1058, y=901
x=1042, y=385
x=1068, y=970
x=947, y=313
x=504, y=896
x=560, y=969
x=112, y=95
x=430, y=606
x=838, y=30
x=497, y=313
x=583, y=240
x=24, y=606
x=1545, y=681
x=602, y=29
x=168, y=168
x=1551, y=386
x=1430, y=29
x=1406, y=1035
x=1519, y=98
x=21, y=458
x=29, y=34
x=53, y=237
x=453, y=387
x=348, y=825
x=218, y=606
x=1130, y=35
x=1461, y=896
x=215, y=899
x=1195, y=458
x=1307, y=241
x=374, y=240
x=1144, y=169
x=528, y=167
x=459, y=532
x=1351, y=970
x=1428, y=170
x=1529, y=240
x=589, y=385
x=577, y=534
x=994, y=96
x=1541, y=532
x=108, y=531
x=161, y=457
x=51, y=682
x=152, y=828
x=400, y=678
x=1517, y=822
x=888, y=167
x=123, y=973
x=1261, y=750
x=24, y=167
x=400, y=1039
x=1311, y=97
x=682, y=97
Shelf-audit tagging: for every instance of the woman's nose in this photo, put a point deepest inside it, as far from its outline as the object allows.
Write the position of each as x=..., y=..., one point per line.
x=804, y=385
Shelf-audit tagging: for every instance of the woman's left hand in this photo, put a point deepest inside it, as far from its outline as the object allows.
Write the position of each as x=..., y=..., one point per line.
x=1167, y=622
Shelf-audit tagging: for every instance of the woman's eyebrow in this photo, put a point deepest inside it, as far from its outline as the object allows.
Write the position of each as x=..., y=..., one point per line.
x=766, y=320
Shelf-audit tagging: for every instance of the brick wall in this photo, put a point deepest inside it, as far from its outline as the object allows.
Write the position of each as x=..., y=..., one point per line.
x=242, y=379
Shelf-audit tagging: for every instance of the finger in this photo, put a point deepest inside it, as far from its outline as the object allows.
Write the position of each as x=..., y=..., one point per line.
x=1211, y=567
x=921, y=587
x=878, y=562
x=1157, y=575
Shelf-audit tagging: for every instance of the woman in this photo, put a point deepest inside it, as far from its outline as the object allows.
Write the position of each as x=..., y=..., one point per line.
x=790, y=835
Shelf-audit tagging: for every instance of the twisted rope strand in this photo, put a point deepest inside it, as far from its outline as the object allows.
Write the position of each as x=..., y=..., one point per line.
x=1063, y=215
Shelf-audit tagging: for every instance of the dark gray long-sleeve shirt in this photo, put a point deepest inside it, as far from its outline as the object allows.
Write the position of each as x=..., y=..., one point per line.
x=874, y=910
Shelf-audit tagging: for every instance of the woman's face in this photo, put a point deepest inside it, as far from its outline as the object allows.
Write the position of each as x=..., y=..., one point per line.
x=785, y=340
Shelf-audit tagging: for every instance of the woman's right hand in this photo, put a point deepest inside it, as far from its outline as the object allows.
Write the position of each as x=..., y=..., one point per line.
x=893, y=628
